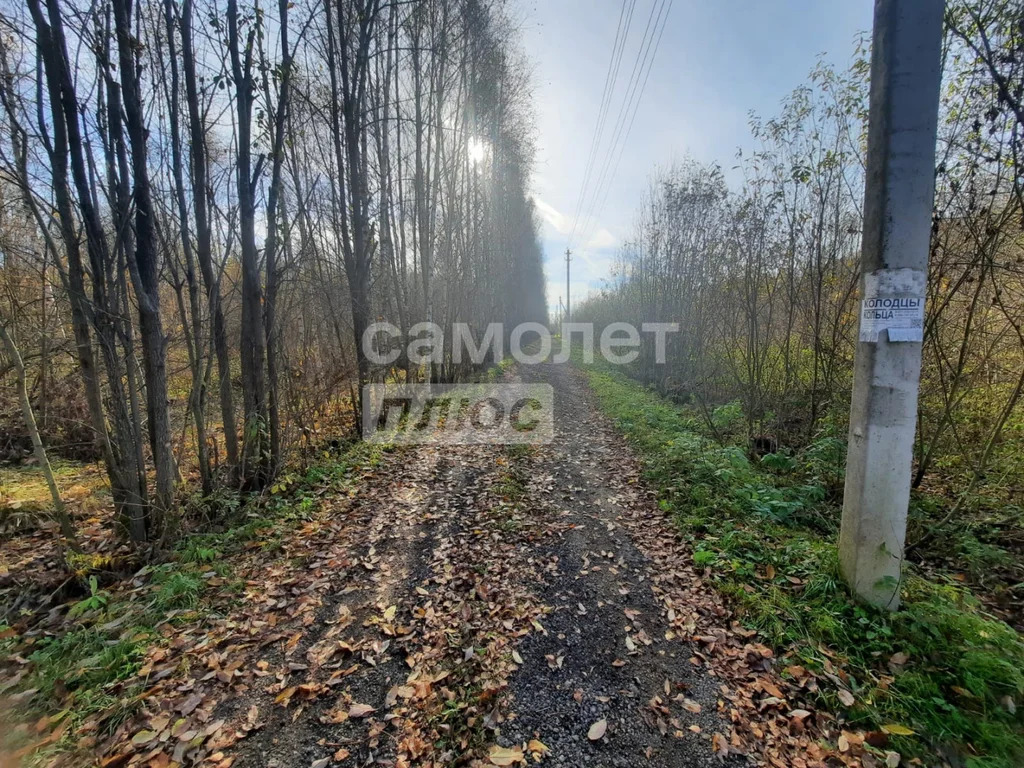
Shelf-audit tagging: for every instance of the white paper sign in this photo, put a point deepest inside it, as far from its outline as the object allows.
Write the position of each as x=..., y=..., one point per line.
x=893, y=302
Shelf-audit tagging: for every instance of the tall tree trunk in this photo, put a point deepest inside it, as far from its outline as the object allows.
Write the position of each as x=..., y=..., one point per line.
x=204, y=237
x=197, y=397
x=354, y=35
x=255, y=448
x=130, y=498
x=271, y=246
x=145, y=271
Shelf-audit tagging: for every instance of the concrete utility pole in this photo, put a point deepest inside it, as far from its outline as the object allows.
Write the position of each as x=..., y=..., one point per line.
x=568, y=254
x=905, y=74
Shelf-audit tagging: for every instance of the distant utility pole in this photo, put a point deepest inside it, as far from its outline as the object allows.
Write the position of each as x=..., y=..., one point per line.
x=568, y=255
x=900, y=182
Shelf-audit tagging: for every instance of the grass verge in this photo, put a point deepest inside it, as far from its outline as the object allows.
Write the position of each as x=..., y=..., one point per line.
x=938, y=675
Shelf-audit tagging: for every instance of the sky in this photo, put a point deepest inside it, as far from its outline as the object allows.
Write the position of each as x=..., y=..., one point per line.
x=717, y=60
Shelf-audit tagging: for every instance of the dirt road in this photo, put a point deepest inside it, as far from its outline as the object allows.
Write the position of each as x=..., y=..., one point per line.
x=492, y=605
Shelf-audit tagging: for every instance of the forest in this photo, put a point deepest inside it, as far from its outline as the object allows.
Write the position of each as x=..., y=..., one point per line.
x=204, y=208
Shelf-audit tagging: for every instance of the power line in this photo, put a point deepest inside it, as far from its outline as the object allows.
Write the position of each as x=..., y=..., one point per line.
x=627, y=98
x=622, y=146
x=611, y=76
x=638, y=82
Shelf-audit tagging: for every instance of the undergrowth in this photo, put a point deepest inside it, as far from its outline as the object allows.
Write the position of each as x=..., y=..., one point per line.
x=938, y=674
x=85, y=668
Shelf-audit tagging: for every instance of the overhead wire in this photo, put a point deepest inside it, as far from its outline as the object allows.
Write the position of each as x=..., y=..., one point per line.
x=611, y=76
x=630, y=105
x=599, y=208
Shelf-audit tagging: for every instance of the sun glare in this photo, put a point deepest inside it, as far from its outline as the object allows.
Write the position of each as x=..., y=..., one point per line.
x=477, y=149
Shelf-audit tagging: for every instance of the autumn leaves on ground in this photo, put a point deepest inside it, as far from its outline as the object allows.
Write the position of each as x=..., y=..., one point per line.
x=434, y=605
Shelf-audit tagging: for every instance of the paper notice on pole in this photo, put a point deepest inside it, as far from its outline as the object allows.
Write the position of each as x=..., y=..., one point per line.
x=893, y=302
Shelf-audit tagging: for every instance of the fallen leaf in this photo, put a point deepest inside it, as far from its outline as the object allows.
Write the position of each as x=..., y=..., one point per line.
x=597, y=730
x=690, y=706
x=142, y=738
x=721, y=746
x=285, y=696
x=876, y=739
x=897, y=730
x=536, y=745
x=505, y=755
x=188, y=705
x=360, y=710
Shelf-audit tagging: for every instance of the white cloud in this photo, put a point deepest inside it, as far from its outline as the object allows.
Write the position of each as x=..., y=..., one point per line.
x=559, y=221
x=602, y=239
x=599, y=266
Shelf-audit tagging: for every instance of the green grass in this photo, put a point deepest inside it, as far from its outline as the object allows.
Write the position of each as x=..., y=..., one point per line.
x=766, y=532
x=512, y=487
x=177, y=588
x=85, y=658
x=83, y=673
